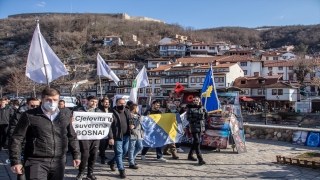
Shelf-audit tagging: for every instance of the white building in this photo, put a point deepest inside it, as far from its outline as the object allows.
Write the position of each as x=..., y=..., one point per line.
x=172, y=49
x=112, y=40
x=157, y=62
x=288, y=56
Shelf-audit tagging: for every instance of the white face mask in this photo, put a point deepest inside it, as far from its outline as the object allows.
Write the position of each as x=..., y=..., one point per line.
x=50, y=106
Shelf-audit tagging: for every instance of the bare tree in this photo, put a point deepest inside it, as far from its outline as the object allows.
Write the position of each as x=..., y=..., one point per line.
x=303, y=67
x=17, y=82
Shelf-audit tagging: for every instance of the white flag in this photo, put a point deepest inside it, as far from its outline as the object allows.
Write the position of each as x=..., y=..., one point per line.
x=141, y=81
x=42, y=60
x=104, y=70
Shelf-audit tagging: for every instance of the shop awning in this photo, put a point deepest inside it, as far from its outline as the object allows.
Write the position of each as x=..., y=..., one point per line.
x=244, y=98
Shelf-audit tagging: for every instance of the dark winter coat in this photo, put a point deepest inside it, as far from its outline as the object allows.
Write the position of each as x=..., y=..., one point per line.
x=196, y=115
x=45, y=140
x=115, y=131
x=14, y=120
x=150, y=111
x=6, y=114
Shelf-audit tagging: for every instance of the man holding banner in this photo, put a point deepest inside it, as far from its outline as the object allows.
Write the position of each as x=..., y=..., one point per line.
x=88, y=148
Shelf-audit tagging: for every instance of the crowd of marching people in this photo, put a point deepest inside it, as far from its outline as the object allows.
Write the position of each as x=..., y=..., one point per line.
x=40, y=133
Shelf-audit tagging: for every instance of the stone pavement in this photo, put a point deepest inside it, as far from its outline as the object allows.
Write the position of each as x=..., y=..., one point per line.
x=257, y=163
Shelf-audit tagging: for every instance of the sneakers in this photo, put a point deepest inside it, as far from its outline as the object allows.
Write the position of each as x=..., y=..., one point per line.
x=122, y=174
x=143, y=157
x=91, y=177
x=133, y=166
x=162, y=159
x=111, y=164
x=180, y=150
x=80, y=176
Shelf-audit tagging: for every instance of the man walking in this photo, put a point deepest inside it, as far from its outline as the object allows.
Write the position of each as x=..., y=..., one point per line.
x=6, y=113
x=155, y=109
x=88, y=148
x=47, y=132
x=119, y=134
x=31, y=104
x=104, y=107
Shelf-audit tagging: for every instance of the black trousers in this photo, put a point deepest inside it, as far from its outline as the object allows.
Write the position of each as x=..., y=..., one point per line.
x=89, y=149
x=196, y=144
x=42, y=170
x=3, y=134
x=104, y=143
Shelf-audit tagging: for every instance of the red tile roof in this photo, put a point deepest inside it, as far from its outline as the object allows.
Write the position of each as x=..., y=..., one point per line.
x=280, y=85
x=163, y=67
x=208, y=60
x=173, y=44
x=253, y=82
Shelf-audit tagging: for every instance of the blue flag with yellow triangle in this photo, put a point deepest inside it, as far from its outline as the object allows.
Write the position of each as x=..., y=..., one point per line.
x=209, y=96
x=161, y=129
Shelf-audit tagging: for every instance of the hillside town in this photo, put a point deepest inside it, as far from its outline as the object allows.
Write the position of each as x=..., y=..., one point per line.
x=258, y=75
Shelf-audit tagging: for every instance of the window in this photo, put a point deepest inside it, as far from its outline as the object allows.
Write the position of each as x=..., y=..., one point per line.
x=121, y=82
x=158, y=81
x=140, y=90
x=274, y=91
x=150, y=81
x=269, y=68
x=290, y=77
x=280, y=91
x=267, y=58
x=176, y=79
x=243, y=82
x=290, y=67
x=260, y=92
x=185, y=80
x=275, y=58
x=120, y=91
x=280, y=68
x=219, y=80
x=245, y=72
x=148, y=90
x=262, y=81
x=202, y=80
x=197, y=80
x=243, y=63
x=180, y=80
x=167, y=80
x=128, y=90
x=244, y=91
x=156, y=90
x=192, y=80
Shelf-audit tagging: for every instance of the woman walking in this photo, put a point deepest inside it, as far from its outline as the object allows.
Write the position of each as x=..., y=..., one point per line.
x=196, y=115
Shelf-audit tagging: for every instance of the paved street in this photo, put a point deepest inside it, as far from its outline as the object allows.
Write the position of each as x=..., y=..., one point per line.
x=258, y=163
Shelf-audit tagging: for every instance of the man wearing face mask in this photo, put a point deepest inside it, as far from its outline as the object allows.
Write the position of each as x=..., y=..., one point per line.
x=6, y=113
x=88, y=148
x=31, y=104
x=47, y=132
x=104, y=107
x=119, y=135
x=155, y=109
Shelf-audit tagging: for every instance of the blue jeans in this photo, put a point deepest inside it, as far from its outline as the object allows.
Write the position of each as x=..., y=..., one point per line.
x=134, y=148
x=120, y=149
x=158, y=150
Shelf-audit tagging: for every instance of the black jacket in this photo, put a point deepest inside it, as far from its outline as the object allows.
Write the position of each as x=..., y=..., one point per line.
x=45, y=140
x=6, y=114
x=110, y=110
x=115, y=130
x=14, y=120
x=196, y=115
x=150, y=111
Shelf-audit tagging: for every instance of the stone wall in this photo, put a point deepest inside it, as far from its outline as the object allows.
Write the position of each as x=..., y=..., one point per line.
x=276, y=133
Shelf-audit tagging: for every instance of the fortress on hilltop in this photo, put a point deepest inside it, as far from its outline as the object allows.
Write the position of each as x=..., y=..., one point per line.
x=114, y=15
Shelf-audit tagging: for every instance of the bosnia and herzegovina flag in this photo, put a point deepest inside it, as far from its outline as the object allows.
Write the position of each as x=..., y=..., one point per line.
x=209, y=96
x=161, y=129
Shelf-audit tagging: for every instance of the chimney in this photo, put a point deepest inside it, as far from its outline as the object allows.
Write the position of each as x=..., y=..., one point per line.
x=256, y=74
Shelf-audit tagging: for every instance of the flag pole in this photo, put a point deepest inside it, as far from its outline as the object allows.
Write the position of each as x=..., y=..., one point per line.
x=44, y=65
x=205, y=102
x=100, y=87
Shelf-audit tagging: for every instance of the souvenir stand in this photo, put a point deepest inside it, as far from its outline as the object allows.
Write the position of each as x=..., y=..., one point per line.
x=222, y=128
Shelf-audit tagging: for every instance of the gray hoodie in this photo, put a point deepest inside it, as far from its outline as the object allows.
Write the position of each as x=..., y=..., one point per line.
x=137, y=132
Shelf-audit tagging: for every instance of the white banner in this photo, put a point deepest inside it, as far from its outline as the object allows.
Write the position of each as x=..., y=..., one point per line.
x=91, y=125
